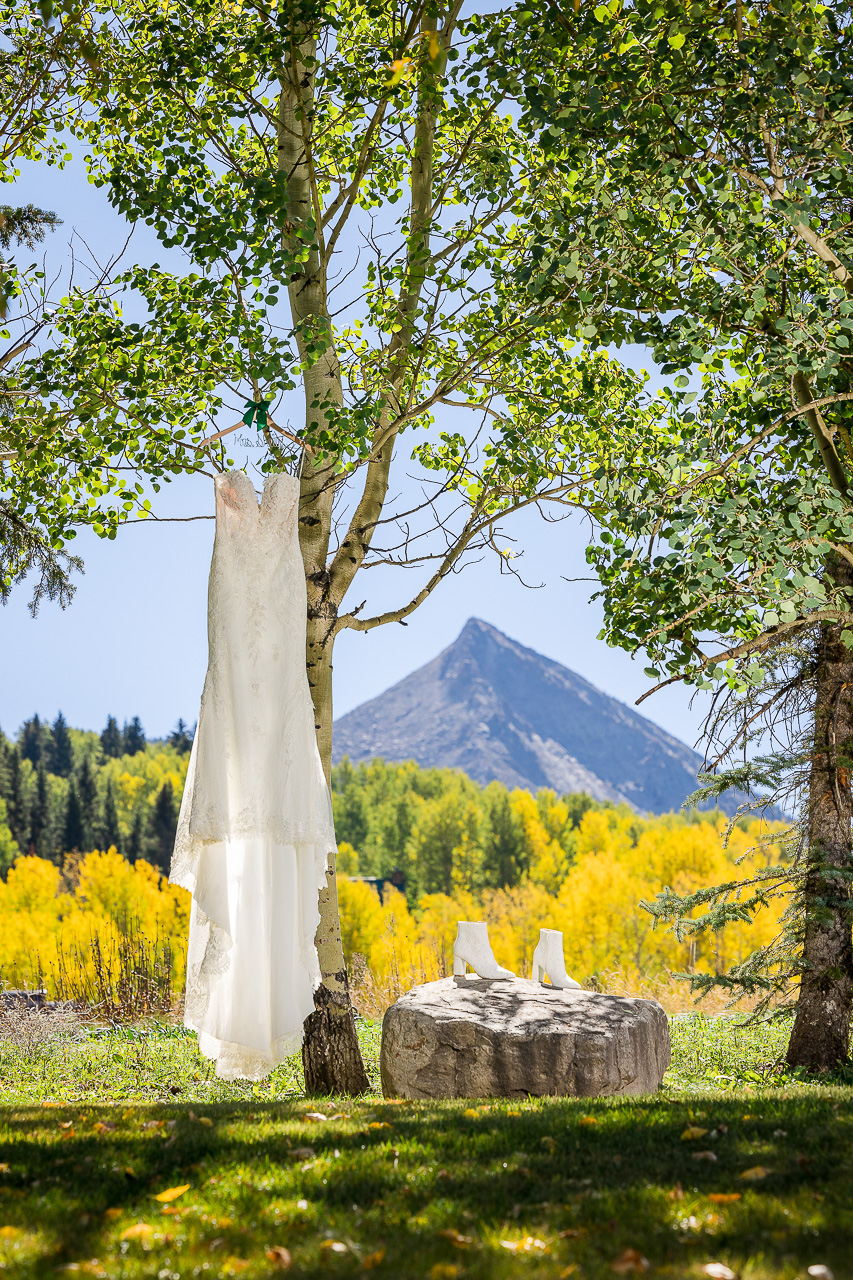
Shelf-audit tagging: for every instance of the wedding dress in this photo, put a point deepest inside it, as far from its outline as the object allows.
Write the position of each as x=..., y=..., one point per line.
x=255, y=828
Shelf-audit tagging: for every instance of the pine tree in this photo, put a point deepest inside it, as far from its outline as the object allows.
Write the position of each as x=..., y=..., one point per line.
x=31, y=740
x=109, y=829
x=40, y=816
x=136, y=840
x=60, y=750
x=72, y=832
x=16, y=797
x=111, y=739
x=133, y=737
x=88, y=793
x=164, y=824
x=181, y=738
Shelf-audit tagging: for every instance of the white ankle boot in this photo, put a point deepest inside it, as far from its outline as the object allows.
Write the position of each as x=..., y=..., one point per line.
x=548, y=958
x=472, y=947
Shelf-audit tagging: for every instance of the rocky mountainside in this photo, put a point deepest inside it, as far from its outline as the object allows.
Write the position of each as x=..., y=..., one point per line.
x=495, y=709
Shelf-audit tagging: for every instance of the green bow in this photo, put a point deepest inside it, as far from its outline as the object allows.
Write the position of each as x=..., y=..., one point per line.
x=256, y=410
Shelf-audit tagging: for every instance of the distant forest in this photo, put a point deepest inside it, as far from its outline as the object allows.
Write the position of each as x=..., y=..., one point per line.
x=63, y=789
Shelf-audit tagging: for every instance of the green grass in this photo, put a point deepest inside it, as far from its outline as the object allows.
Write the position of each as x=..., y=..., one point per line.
x=92, y=1132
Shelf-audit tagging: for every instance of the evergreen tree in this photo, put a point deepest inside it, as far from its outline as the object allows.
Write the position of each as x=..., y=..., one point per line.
x=111, y=739
x=60, y=750
x=180, y=738
x=31, y=740
x=72, y=832
x=88, y=792
x=164, y=824
x=40, y=816
x=133, y=737
x=110, y=834
x=16, y=797
x=136, y=840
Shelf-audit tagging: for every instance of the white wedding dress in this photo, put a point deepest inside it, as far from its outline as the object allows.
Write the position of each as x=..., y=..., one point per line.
x=255, y=828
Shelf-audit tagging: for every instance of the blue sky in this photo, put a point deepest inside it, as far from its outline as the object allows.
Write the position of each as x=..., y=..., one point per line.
x=133, y=641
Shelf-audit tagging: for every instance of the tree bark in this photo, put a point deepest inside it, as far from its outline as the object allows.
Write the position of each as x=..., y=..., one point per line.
x=330, y=1054
x=820, y=1039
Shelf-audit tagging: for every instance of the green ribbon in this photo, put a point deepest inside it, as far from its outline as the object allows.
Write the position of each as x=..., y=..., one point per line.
x=256, y=411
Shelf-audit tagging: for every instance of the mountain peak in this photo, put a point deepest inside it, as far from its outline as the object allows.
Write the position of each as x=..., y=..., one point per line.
x=498, y=710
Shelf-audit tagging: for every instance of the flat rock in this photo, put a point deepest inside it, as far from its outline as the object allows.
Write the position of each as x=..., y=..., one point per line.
x=478, y=1038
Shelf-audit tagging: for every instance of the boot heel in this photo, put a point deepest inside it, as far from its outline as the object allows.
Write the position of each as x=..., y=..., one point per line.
x=459, y=966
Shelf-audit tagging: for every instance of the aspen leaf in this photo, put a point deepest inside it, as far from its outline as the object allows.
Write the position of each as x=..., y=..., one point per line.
x=820, y=1272
x=171, y=1193
x=206, y=1121
x=692, y=1132
x=334, y=1246
x=383, y=1124
x=724, y=1197
x=139, y=1231
x=628, y=1261
x=588, y=1120
x=109, y=1214
x=315, y=1116
x=470, y=1111
x=755, y=1174
x=103, y=1127
x=66, y=1124
x=444, y=1271
x=703, y=1155
x=232, y=1266
x=280, y=1257
x=719, y=1271
x=372, y=1260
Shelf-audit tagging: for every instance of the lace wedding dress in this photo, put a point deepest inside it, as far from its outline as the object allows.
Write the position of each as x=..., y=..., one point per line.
x=255, y=828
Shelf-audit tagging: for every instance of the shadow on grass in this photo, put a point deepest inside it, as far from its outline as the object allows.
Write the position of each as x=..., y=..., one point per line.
x=433, y=1189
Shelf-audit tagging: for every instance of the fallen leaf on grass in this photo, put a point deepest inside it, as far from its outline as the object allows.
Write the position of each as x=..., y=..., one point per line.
x=152, y=1124
x=372, y=1260
x=231, y=1266
x=303, y=1153
x=693, y=1131
x=820, y=1272
x=109, y=1214
x=66, y=1124
x=315, y=1116
x=724, y=1197
x=513, y=1113
x=471, y=1111
x=139, y=1231
x=172, y=1193
x=703, y=1155
x=383, y=1124
x=456, y=1238
x=101, y=1126
x=755, y=1174
x=630, y=1260
x=9, y=1233
x=174, y=1210
x=719, y=1271
x=280, y=1257
x=588, y=1120
x=69, y=1133
x=334, y=1246
x=444, y=1271
x=529, y=1245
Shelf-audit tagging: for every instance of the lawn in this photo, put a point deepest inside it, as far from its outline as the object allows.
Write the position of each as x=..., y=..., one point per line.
x=121, y=1156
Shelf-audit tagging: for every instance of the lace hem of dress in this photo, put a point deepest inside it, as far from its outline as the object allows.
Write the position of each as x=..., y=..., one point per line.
x=236, y=1062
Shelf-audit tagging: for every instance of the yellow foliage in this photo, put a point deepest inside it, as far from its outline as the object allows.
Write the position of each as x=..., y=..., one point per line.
x=39, y=916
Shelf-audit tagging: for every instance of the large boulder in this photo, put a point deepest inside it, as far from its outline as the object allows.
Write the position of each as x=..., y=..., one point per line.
x=507, y=1038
